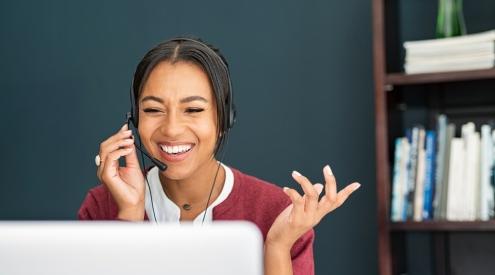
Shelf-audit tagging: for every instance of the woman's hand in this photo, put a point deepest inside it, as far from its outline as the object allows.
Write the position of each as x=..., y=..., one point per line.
x=306, y=211
x=126, y=184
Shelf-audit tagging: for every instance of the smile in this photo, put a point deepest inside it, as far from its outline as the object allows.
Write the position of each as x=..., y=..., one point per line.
x=176, y=149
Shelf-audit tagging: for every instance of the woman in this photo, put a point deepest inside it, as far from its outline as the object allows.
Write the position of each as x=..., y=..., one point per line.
x=183, y=112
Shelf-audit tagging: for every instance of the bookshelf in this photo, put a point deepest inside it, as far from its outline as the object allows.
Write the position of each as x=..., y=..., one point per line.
x=443, y=226
x=389, y=85
x=403, y=79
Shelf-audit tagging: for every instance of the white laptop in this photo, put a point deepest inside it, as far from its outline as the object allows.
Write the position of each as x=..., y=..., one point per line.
x=90, y=248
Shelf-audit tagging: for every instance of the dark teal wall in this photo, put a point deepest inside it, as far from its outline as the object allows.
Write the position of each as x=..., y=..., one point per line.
x=302, y=76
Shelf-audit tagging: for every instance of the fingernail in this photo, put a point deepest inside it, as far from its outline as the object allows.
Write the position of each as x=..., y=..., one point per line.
x=318, y=187
x=128, y=131
x=124, y=127
x=295, y=173
x=328, y=170
x=356, y=186
x=285, y=189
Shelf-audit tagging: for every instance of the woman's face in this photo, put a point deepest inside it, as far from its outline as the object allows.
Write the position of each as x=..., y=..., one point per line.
x=177, y=118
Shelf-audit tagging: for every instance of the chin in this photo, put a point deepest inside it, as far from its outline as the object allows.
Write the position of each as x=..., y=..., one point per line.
x=176, y=172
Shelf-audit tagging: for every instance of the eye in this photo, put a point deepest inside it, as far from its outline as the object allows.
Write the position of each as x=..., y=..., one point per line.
x=194, y=110
x=151, y=110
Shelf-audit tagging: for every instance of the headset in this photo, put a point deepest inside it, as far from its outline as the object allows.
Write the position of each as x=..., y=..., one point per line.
x=229, y=117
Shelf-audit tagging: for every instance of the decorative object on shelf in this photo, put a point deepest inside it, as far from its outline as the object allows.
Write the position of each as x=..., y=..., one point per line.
x=450, y=19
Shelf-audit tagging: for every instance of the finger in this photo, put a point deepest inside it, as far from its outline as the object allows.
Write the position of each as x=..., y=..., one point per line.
x=126, y=134
x=131, y=159
x=326, y=206
x=330, y=184
x=110, y=167
x=310, y=193
x=120, y=139
x=118, y=134
x=105, y=150
x=345, y=193
x=297, y=201
x=318, y=187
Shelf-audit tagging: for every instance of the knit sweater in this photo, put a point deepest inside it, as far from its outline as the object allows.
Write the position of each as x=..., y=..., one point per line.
x=251, y=200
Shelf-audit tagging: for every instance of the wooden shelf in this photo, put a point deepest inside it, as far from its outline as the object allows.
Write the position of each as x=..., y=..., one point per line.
x=443, y=226
x=413, y=79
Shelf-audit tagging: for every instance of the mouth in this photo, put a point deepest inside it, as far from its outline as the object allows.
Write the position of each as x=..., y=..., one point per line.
x=176, y=152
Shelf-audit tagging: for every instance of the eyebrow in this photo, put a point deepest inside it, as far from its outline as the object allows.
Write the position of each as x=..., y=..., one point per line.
x=183, y=100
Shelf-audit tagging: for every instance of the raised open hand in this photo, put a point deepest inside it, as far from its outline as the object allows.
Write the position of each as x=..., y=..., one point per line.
x=307, y=211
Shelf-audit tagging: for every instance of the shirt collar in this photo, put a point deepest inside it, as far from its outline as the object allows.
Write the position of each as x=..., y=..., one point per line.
x=167, y=211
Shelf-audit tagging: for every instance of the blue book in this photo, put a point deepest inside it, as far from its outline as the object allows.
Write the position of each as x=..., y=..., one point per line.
x=430, y=166
x=396, y=214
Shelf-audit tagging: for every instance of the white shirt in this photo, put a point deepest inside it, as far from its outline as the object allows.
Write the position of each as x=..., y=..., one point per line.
x=167, y=211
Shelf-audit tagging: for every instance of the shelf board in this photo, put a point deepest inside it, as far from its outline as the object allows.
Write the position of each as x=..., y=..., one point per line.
x=443, y=226
x=413, y=79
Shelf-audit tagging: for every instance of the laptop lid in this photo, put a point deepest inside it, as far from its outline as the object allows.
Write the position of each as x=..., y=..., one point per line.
x=222, y=248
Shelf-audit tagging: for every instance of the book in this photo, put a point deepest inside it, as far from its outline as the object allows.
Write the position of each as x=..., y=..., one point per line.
x=420, y=177
x=455, y=180
x=469, y=52
x=437, y=60
x=471, y=183
x=397, y=187
x=452, y=41
x=451, y=66
x=444, y=197
x=406, y=148
x=429, y=182
x=419, y=54
x=413, y=137
x=486, y=201
x=440, y=164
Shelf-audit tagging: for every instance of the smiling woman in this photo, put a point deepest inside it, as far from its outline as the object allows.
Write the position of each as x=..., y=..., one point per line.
x=183, y=112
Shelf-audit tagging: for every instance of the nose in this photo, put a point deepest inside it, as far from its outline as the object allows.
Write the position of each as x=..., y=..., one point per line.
x=172, y=126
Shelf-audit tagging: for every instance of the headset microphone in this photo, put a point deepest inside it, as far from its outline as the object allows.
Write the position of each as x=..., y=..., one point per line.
x=162, y=166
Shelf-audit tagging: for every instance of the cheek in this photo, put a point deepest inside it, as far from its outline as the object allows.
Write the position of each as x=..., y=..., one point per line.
x=145, y=130
x=207, y=133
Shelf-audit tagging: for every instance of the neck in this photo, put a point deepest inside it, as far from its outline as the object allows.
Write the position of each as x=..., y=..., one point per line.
x=195, y=189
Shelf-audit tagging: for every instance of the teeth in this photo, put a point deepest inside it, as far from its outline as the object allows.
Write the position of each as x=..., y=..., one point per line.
x=176, y=149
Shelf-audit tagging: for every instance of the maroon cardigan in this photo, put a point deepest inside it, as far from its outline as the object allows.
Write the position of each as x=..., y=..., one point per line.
x=251, y=200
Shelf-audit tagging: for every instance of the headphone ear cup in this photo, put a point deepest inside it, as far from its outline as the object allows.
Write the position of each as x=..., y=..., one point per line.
x=232, y=115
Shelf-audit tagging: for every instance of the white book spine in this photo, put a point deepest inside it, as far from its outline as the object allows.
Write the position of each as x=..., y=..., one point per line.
x=470, y=183
x=456, y=176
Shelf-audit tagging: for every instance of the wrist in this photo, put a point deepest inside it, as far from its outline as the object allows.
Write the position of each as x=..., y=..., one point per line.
x=277, y=246
x=131, y=214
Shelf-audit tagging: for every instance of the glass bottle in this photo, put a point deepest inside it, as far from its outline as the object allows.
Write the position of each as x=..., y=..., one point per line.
x=450, y=19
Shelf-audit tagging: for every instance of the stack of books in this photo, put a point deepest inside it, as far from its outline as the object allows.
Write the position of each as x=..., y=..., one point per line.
x=468, y=52
x=440, y=176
